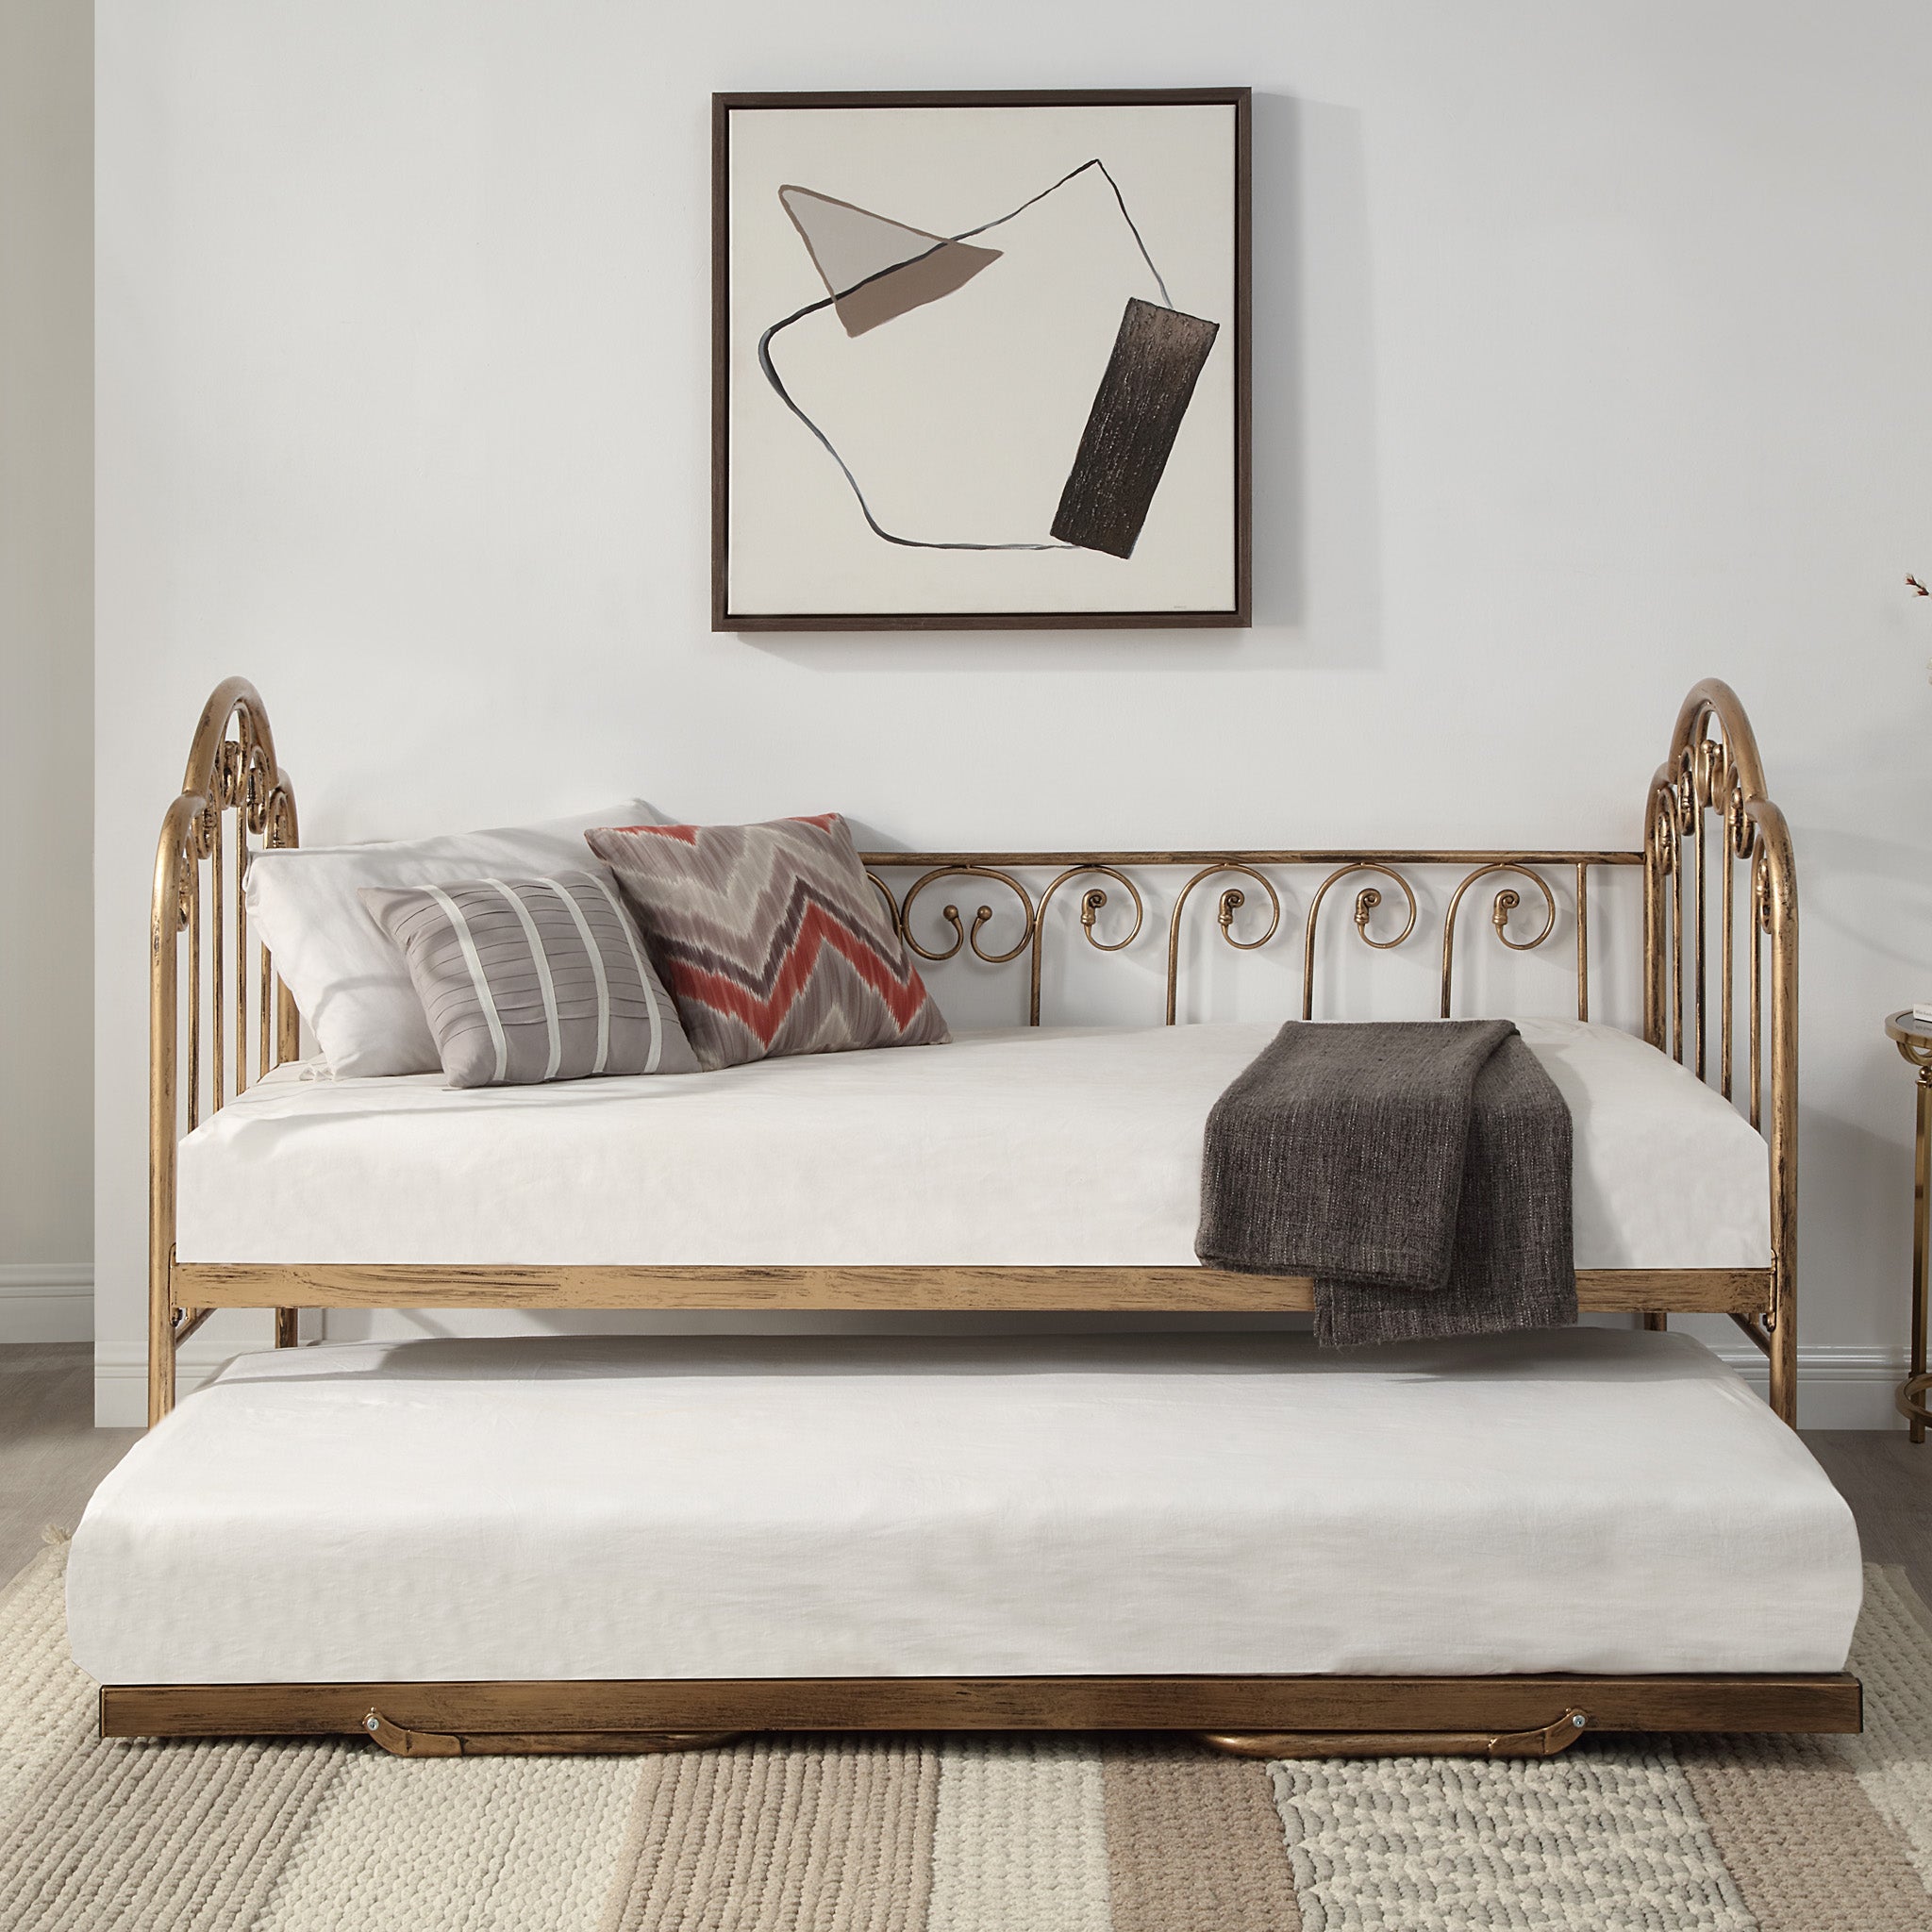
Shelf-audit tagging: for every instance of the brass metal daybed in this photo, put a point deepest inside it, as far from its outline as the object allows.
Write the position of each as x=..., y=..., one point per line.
x=1718, y=977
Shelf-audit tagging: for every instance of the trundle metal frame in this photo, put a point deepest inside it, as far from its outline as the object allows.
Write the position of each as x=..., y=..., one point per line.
x=1716, y=852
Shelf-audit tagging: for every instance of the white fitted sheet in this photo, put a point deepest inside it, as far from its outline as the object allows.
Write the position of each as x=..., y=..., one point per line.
x=1578, y=1500
x=1057, y=1146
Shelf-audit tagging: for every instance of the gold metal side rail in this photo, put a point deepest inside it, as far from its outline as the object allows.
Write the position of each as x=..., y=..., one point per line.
x=260, y=1284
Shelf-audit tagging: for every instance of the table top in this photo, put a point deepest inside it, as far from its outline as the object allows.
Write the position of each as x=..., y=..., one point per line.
x=1909, y=1031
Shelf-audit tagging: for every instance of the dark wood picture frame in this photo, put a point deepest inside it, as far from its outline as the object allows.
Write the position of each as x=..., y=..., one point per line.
x=724, y=619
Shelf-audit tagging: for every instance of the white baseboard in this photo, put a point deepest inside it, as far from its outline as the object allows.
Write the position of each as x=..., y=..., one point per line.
x=46, y=1301
x=1838, y=1387
x=120, y=1388
x=121, y=1374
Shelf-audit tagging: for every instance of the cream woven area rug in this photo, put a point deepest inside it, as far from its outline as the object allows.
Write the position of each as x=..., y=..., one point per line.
x=1007, y=1834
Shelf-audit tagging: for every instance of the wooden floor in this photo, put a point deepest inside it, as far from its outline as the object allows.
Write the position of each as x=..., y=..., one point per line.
x=51, y=1456
x=1888, y=1484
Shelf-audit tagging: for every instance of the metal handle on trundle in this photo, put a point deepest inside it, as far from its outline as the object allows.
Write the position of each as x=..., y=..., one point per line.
x=1544, y=1741
x=400, y=1741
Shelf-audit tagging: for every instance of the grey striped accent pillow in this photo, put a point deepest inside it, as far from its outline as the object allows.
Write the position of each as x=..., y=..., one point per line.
x=529, y=980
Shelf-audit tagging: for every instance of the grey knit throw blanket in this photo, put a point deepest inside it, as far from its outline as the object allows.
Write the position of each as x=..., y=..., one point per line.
x=1418, y=1171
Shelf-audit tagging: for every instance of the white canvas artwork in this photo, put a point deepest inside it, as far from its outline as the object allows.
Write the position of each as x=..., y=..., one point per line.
x=981, y=360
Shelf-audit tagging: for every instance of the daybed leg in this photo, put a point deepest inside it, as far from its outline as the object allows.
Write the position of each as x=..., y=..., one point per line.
x=1657, y=1318
x=286, y=1324
x=160, y=1359
x=1784, y=1361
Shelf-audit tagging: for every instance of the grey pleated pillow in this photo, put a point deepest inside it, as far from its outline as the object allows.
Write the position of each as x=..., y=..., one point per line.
x=529, y=980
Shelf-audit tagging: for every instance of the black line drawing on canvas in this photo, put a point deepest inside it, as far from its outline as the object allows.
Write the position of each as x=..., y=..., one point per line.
x=1143, y=395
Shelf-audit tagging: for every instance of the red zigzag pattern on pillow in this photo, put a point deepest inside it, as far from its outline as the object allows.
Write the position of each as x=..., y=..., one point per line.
x=771, y=938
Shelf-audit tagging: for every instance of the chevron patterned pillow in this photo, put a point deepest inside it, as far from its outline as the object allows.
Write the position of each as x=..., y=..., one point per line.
x=769, y=938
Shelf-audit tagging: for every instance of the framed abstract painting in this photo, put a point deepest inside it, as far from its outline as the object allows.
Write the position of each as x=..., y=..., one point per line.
x=980, y=361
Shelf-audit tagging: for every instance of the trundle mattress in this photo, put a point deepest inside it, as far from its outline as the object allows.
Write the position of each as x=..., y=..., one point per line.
x=1576, y=1500
x=1051, y=1148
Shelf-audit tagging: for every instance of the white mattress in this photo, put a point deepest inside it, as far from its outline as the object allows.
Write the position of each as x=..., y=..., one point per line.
x=1058, y=1146
x=1582, y=1500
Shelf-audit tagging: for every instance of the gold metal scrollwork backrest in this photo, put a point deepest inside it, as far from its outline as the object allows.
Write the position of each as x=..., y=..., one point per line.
x=981, y=917
x=1504, y=903
x=1093, y=902
x=1033, y=928
x=1232, y=900
x=1243, y=875
x=1366, y=901
x=885, y=892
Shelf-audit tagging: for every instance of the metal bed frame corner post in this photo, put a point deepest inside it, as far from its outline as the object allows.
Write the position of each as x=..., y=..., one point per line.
x=1714, y=772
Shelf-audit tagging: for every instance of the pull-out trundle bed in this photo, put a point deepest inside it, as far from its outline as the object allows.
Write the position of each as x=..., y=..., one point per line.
x=630, y=1544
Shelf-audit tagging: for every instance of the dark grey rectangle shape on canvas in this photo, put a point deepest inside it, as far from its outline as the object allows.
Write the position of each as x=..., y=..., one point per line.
x=1137, y=412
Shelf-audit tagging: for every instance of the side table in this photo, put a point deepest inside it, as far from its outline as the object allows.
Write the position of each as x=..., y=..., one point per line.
x=1913, y=1039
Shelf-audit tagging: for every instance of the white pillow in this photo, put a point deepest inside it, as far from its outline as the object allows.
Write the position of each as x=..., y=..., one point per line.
x=349, y=977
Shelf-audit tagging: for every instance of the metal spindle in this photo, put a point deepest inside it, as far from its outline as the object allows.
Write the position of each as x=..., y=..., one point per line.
x=1582, y=940
x=241, y=939
x=218, y=1004
x=1677, y=870
x=1756, y=1008
x=1697, y=983
x=193, y=990
x=1726, y=996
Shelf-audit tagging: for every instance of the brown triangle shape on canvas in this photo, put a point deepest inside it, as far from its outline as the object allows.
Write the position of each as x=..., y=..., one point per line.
x=875, y=268
x=923, y=279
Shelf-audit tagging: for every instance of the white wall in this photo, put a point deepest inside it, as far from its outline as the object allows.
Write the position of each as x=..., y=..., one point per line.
x=1589, y=358
x=46, y=670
